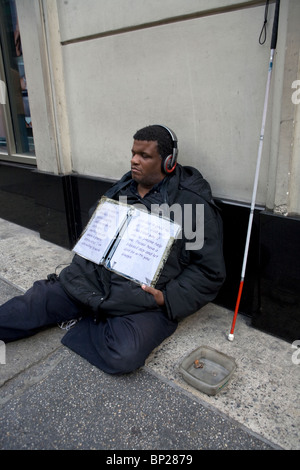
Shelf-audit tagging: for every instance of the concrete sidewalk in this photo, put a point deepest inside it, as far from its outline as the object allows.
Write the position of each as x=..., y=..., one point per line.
x=53, y=399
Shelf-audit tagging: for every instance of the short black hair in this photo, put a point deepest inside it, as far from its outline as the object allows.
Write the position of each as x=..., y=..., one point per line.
x=159, y=134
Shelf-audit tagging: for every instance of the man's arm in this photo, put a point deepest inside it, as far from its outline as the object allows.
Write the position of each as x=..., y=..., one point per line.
x=201, y=279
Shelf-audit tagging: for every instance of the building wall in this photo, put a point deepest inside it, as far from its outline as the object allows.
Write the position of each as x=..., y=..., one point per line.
x=194, y=75
x=197, y=66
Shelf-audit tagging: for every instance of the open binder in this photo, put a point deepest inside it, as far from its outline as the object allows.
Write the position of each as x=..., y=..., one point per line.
x=128, y=240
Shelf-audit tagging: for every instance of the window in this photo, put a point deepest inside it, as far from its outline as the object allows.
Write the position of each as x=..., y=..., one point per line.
x=16, y=138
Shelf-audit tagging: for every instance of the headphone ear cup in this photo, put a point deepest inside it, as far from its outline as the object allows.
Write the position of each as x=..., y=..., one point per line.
x=167, y=165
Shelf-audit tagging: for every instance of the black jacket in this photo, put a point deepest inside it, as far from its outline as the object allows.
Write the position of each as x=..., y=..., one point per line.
x=190, y=278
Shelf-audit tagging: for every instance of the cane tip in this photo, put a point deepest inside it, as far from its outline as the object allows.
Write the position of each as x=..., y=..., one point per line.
x=230, y=337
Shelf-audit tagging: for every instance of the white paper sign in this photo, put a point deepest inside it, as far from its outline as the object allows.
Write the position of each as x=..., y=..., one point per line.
x=129, y=241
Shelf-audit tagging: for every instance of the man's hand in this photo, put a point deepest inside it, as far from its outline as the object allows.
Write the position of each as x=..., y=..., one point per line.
x=157, y=294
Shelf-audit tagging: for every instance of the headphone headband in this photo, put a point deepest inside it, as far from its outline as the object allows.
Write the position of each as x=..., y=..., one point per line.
x=171, y=161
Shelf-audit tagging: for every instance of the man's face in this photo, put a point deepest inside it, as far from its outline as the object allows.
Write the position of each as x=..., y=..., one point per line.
x=146, y=163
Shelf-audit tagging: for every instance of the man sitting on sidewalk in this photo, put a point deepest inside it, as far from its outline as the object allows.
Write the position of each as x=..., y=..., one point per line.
x=121, y=322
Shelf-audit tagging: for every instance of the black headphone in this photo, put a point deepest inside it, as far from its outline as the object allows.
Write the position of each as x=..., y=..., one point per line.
x=170, y=162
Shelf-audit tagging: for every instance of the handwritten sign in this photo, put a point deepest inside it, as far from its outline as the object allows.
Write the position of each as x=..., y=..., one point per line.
x=143, y=247
x=101, y=231
x=132, y=242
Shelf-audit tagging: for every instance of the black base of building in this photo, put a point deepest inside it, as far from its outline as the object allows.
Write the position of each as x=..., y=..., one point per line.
x=57, y=207
x=279, y=276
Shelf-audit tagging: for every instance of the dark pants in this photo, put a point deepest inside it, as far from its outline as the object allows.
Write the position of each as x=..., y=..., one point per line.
x=117, y=344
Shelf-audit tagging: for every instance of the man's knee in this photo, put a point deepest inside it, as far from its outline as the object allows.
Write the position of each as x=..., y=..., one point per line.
x=124, y=362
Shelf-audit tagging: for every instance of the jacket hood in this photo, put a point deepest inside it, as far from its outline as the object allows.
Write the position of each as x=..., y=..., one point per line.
x=187, y=178
x=191, y=179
